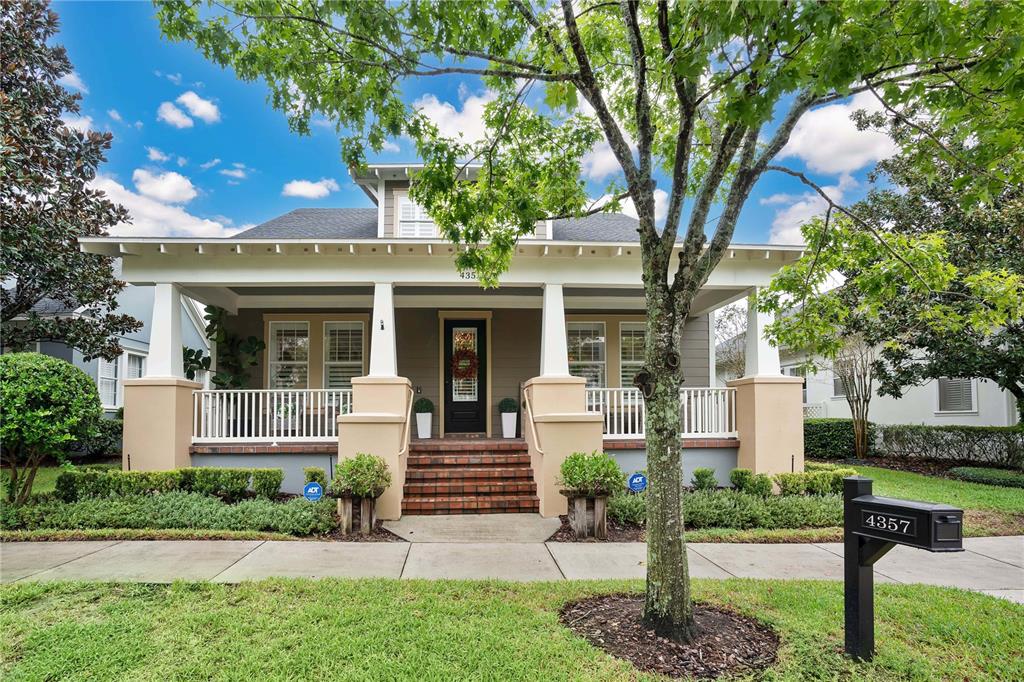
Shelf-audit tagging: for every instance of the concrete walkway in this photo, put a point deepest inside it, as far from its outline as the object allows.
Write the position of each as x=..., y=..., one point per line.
x=991, y=565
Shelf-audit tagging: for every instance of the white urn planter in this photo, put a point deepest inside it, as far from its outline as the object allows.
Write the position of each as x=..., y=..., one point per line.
x=423, y=420
x=508, y=424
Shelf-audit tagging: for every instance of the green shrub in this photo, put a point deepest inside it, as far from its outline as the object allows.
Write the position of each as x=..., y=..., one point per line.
x=176, y=510
x=1003, y=477
x=315, y=475
x=75, y=484
x=230, y=484
x=592, y=475
x=820, y=466
x=998, y=445
x=760, y=485
x=733, y=509
x=421, y=406
x=267, y=482
x=704, y=479
x=832, y=438
x=628, y=508
x=362, y=476
x=45, y=405
x=740, y=478
x=104, y=441
x=819, y=482
x=508, y=405
x=792, y=483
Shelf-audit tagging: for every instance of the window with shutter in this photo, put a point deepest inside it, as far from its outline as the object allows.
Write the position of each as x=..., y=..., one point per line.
x=343, y=353
x=838, y=388
x=136, y=367
x=413, y=221
x=587, y=352
x=106, y=381
x=632, y=336
x=289, y=355
x=956, y=395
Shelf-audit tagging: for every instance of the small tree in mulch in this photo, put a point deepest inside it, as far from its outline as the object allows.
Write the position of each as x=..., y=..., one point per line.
x=45, y=405
x=588, y=481
x=364, y=478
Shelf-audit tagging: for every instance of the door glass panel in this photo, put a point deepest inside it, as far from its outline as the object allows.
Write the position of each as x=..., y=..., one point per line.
x=465, y=390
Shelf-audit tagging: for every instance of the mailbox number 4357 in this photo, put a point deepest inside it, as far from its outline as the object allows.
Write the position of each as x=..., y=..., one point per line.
x=889, y=523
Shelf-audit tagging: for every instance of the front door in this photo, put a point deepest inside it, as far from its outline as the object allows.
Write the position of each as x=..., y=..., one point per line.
x=465, y=376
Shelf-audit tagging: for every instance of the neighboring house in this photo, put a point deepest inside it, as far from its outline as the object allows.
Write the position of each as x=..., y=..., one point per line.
x=362, y=311
x=968, y=402
x=109, y=376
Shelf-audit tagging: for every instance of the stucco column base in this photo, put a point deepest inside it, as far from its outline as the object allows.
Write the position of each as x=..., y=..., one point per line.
x=770, y=423
x=157, y=423
x=377, y=426
x=563, y=426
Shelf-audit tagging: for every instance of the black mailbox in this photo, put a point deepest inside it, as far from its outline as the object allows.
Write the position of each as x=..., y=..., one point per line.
x=925, y=525
x=871, y=527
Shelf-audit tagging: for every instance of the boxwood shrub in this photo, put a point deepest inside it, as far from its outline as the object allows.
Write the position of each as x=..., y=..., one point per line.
x=704, y=479
x=267, y=482
x=734, y=509
x=832, y=438
x=997, y=445
x=1003, y=477
x=229, y=484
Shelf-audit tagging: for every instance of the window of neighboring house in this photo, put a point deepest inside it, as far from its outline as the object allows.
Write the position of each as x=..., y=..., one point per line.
x=289, y=355
x=956, y=395
x=587, y=352
x=838, y=388
x=413, y=221
x=797, y=371
x=135, y=367
x=343, y=353
x=631, y=351
x=106, y=381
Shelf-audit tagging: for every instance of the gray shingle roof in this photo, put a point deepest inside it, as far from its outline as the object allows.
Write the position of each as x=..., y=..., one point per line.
x=361, y=223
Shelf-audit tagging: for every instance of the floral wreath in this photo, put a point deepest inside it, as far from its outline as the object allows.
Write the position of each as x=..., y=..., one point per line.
x=465, y=364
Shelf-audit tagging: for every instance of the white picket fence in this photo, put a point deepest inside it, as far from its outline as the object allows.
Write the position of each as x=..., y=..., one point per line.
x=271, y=416
x=704, y=412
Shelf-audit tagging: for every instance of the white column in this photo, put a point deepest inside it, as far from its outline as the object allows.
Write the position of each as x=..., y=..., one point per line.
x=383, y=356
x=554, y=349
x=762, y=358
x=165, y=333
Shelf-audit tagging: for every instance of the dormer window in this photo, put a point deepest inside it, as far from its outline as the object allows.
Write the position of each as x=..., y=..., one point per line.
x=413, y=221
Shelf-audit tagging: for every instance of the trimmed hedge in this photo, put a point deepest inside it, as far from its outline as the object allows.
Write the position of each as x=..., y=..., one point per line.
x=832, y=438
x=733, y=509
x=267, y=482
x=315, y=475
x=817, y=482
x=1003, y=477
x=704, y=479
x=998, y=445
x=174, y=510
x=229, y=484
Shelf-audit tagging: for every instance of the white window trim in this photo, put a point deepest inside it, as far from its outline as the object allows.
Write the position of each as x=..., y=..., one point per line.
x=974, y=399
x=362, y=334
x=401, y=197
x=271, y=350
x=604, y=334
x=122, y=373
x=623, y=326
x=834, y=395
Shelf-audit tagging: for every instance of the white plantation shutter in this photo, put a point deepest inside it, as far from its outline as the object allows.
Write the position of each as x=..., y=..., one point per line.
x=413, y=221
x=343, y=353
x=956, y=395
x=136, y=368
x=632, y=336
x=106, y=381
x=289, y=354
x=587, y=352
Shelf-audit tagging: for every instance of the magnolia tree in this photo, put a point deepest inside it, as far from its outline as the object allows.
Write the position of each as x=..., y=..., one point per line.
x=693, y=99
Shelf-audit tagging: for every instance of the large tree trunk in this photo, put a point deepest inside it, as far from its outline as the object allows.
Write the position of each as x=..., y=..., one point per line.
x=669, y=607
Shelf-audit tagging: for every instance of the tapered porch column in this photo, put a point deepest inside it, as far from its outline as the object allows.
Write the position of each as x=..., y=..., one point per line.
x=158, y=407
x=554, y=351
x=769, y=405
x=379, y=422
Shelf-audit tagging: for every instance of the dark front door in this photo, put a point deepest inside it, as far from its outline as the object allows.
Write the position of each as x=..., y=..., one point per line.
x=465, y=376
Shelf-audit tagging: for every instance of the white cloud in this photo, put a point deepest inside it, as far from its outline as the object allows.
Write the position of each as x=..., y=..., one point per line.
x=138, y=124
x=238, y=173
x=174, y=78
x=113, y=113
x=181, y=161
x=172, y=115
x=308, y=189
x=828, y=141
x=82, y=124
x=151, y=218
x=799, y=208
x=154, y=154
x=73, y=80
x=209, y=164
x=600, y=162
x=202, y=109
x=467, y=123
x=628, y=208
x=169, y=187
x=390, y=146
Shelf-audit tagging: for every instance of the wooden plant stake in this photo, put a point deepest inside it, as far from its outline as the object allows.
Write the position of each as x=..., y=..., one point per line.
x=365, y=515
x=345, y=514
x=601, y=518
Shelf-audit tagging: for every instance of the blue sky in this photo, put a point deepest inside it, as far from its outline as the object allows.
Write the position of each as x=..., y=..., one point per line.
x=197, y=152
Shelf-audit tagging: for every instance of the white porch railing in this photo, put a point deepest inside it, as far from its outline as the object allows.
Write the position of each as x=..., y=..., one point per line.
x=272, y=416
x=704, y=412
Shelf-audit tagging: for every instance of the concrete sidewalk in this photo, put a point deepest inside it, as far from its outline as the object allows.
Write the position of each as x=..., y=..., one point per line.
x=991, y=565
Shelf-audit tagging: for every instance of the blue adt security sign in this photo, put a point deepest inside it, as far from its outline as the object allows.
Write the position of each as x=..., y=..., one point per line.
x=314, y=491
x=637, y=482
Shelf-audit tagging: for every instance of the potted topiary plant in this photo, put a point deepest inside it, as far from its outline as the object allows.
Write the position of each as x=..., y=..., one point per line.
x=364, y=478
x=589, y=480
x=509, y=409
x=424, y=410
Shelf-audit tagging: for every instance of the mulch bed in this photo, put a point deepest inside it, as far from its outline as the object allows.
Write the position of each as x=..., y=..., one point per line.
x=617, y=532
x=726, y=643
x=378, y=534
x=928, y=467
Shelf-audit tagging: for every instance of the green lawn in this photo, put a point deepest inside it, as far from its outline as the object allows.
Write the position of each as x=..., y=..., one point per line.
x=387, y=629
x=46, y=477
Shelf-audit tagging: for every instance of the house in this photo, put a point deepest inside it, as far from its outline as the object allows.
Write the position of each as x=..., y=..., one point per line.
x=955, y=401
x=362, y=312
x=110, y=376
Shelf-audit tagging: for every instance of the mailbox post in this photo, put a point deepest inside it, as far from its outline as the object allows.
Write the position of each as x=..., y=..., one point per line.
x=871, y=527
